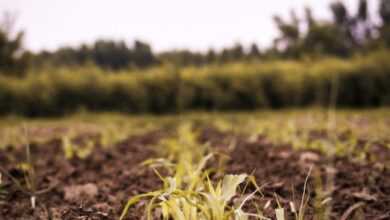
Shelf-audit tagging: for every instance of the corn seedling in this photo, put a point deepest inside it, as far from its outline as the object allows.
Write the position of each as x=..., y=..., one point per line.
x=111, y=135
x=299, y=214
x=204, y=202
x=279, y=212
x=29, y=185
x=322, y=199
x=305, y=198
x=3, y=191
x=189, y=194
x=72, y=150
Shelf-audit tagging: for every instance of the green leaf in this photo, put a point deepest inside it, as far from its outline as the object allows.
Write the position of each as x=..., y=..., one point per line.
x=279, y=214
x=230, y=184
x=135, y=200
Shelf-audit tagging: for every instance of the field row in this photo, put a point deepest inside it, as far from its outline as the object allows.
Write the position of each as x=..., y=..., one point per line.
x=285, y=165
x=362, y=81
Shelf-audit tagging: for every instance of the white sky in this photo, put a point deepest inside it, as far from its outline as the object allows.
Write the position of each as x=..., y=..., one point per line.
x=165, y=24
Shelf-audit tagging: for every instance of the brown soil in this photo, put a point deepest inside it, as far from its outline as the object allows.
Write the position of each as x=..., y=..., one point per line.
x=359, y=189
x=99, y=186
x=114, y=172
x=283, y=171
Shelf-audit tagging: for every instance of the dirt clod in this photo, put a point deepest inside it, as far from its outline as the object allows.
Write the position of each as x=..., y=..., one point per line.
x=79, y=192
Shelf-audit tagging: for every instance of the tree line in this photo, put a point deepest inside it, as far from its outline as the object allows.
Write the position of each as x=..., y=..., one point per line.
x=346, y=34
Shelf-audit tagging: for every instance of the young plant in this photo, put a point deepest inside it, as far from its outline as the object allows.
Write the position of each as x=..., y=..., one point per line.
x=71, y=150
x=322, y=199
x=206, y=201
x=111, y=135
x=300, y=213
x=305, y=198
x=3, y=191
x=29, y=185
x=189, y=193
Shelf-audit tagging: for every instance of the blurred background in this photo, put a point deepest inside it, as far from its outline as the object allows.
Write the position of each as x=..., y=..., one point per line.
x=60, y=57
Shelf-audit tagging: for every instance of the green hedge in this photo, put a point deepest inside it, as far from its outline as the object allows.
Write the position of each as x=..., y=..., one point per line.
x=363, y=81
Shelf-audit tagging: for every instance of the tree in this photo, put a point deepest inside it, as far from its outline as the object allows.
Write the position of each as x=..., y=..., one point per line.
x=289, y=40
x=237, y=52
x=309, y=18
x=356, y=29
x=340, y=13
x=12, y=59
x=111, y=55
x=342, y=36
x=363, y=10
x=211, y=56
x=384, y=12
x=254, y=52
x=142, y=55
x=325, y=38
x=234, y=53
x=183, y=58
x=364, y=33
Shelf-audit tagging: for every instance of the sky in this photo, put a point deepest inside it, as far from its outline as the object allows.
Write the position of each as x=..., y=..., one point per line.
x=165, y=24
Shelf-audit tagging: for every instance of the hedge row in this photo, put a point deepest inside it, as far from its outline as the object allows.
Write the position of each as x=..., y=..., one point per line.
x=363, y=81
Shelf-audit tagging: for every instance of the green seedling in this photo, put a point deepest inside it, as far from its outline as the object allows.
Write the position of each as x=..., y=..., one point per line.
x=300, y=213
x=71, y=150
x=279, y=212
x=206, y=201
x=67, y=147
x=322, y=200
x=3, y=191
x=29, y=185
x=305, y=198
x=111, y=135
x=189, y=193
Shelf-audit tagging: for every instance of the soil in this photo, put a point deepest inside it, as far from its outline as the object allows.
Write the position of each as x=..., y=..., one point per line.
x=115, y=173
x=99, y=186
x=283, y=171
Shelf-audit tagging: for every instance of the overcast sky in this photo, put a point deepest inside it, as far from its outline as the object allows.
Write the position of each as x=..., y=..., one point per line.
x=166, y=24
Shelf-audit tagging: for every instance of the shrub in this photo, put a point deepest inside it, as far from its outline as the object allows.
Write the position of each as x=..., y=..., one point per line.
x=362, y=81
